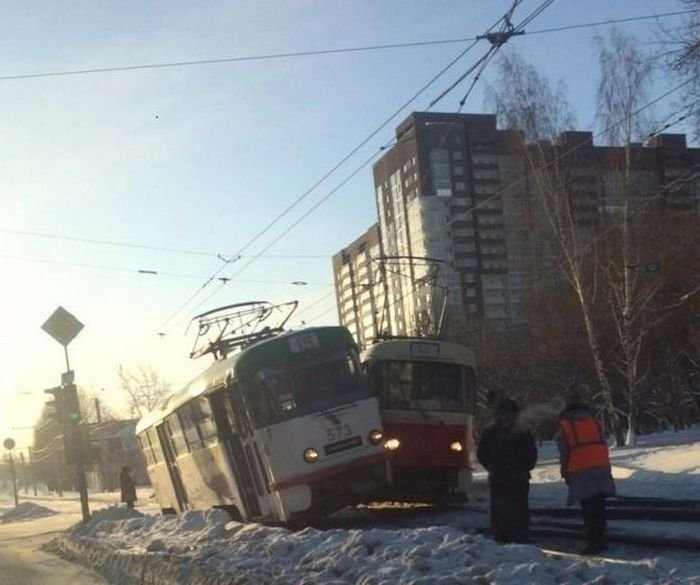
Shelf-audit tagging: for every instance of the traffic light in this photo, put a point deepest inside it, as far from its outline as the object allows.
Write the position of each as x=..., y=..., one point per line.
x=72, y=404
x=58, y=404
x=65, y=404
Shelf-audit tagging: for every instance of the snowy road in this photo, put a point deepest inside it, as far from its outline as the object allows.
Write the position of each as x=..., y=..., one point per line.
x=23, y=563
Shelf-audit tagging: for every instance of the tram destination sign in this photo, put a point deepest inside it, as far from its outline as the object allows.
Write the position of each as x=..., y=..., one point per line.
x=425, y=349
x=62, y=326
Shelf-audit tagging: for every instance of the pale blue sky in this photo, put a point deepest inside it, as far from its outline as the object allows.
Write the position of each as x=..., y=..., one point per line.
x=202, y=158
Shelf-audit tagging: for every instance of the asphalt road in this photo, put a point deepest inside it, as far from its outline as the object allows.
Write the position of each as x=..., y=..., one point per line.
x=23, y=563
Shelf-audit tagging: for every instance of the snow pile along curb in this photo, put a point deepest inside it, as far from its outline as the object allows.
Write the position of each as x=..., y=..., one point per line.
x=205, y=548
x=25, y=511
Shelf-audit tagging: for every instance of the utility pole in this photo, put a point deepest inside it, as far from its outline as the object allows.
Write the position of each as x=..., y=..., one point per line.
x=23, y=465
x=9, y=444
x=98, y=413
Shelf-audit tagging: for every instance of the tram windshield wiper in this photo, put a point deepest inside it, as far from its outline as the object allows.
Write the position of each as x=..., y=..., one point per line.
x=331, y=417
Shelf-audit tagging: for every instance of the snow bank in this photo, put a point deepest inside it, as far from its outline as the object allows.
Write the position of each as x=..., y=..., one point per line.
x=25, y=511
x=205, y=548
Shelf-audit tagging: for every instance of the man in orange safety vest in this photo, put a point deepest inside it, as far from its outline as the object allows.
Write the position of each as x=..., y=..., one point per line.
x=585, y=466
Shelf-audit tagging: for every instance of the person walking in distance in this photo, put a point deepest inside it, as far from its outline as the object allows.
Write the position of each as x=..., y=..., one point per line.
x=585, y=466
x=128, y=487
x=508, y=452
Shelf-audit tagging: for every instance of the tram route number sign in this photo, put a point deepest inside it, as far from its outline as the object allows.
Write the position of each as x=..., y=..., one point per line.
x=9, y=444
x=303, y=342
x=423, y=349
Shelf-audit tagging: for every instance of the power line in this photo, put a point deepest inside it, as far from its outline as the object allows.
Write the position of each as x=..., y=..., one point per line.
x=316, y=302
x=506, y=26
x=528, y=19
x=317, y=317
x=149, y=272
x=669, y=121
x=374, y=47
x=611, y=21
x=304, y=195
x=120, y=244
x=320, y=52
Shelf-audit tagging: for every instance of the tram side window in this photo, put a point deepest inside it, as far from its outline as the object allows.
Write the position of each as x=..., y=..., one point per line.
x=207, y=427
x=177, y=438
x=146, y=448
x=155, y=445
x=188, y=420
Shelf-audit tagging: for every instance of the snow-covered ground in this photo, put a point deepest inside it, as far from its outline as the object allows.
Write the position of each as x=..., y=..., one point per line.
x=139, y=546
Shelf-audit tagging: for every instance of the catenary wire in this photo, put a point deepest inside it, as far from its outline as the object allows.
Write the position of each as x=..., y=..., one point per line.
x=506, y=20
x=148, y=272
x=328, y=174
x=119, y=244
x=292, y=54
x=321, y=52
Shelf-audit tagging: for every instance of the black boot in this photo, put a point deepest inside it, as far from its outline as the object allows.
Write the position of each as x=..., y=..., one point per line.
x=596, y=542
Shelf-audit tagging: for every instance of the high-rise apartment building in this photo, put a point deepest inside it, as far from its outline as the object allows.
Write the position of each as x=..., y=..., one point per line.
x=358, y=286
x=460, y=221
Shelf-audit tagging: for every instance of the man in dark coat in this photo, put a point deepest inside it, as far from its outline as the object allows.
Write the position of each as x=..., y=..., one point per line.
x=585, y=466
x=128, y=487
x=508, y=452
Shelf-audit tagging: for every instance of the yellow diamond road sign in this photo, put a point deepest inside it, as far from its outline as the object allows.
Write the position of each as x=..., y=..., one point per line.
x=62, y=326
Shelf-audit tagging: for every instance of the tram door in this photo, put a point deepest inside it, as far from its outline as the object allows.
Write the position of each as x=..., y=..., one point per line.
x=171, y=462
x=234, y=430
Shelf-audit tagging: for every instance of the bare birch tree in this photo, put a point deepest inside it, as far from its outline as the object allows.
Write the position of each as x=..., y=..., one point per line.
x=682, y=56
x=625, y=77
x=143, y=389
x=524, y=99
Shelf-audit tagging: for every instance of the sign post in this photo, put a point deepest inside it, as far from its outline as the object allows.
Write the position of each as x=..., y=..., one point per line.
x=9, y=444
x=63, y=327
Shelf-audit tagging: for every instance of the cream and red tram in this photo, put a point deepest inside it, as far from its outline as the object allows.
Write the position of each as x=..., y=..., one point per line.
x=426, y=391
x=285, y=428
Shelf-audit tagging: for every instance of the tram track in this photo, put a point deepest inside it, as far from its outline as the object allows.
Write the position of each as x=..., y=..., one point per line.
x=548, y=525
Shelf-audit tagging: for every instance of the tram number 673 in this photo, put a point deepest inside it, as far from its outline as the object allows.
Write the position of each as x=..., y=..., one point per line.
x=337, y=433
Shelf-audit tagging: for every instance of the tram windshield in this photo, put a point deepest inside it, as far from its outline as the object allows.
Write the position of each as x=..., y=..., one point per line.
x=284, y=393
x=415, y=385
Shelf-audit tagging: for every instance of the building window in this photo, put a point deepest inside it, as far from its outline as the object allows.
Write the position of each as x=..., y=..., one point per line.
x=440, y=172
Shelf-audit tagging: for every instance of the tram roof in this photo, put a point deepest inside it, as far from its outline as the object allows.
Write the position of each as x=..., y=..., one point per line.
x=264, y=353
x=422, y=349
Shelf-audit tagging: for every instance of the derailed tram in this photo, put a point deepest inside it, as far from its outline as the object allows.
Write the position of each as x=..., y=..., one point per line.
x=427, y=395
x=283, y=430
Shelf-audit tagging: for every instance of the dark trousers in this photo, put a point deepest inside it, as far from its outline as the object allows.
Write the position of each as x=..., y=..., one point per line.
x=510, y=510
x=593, y=512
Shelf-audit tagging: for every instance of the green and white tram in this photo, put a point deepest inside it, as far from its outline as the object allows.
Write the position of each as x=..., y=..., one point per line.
x=283, y=429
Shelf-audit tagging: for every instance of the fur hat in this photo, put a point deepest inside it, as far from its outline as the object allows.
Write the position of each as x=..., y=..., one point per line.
x=507, y=406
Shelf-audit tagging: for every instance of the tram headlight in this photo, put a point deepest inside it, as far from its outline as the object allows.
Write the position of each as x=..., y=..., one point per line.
x=311, y=455
x=375, y=436
x=456, y=447
x=392, y=444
